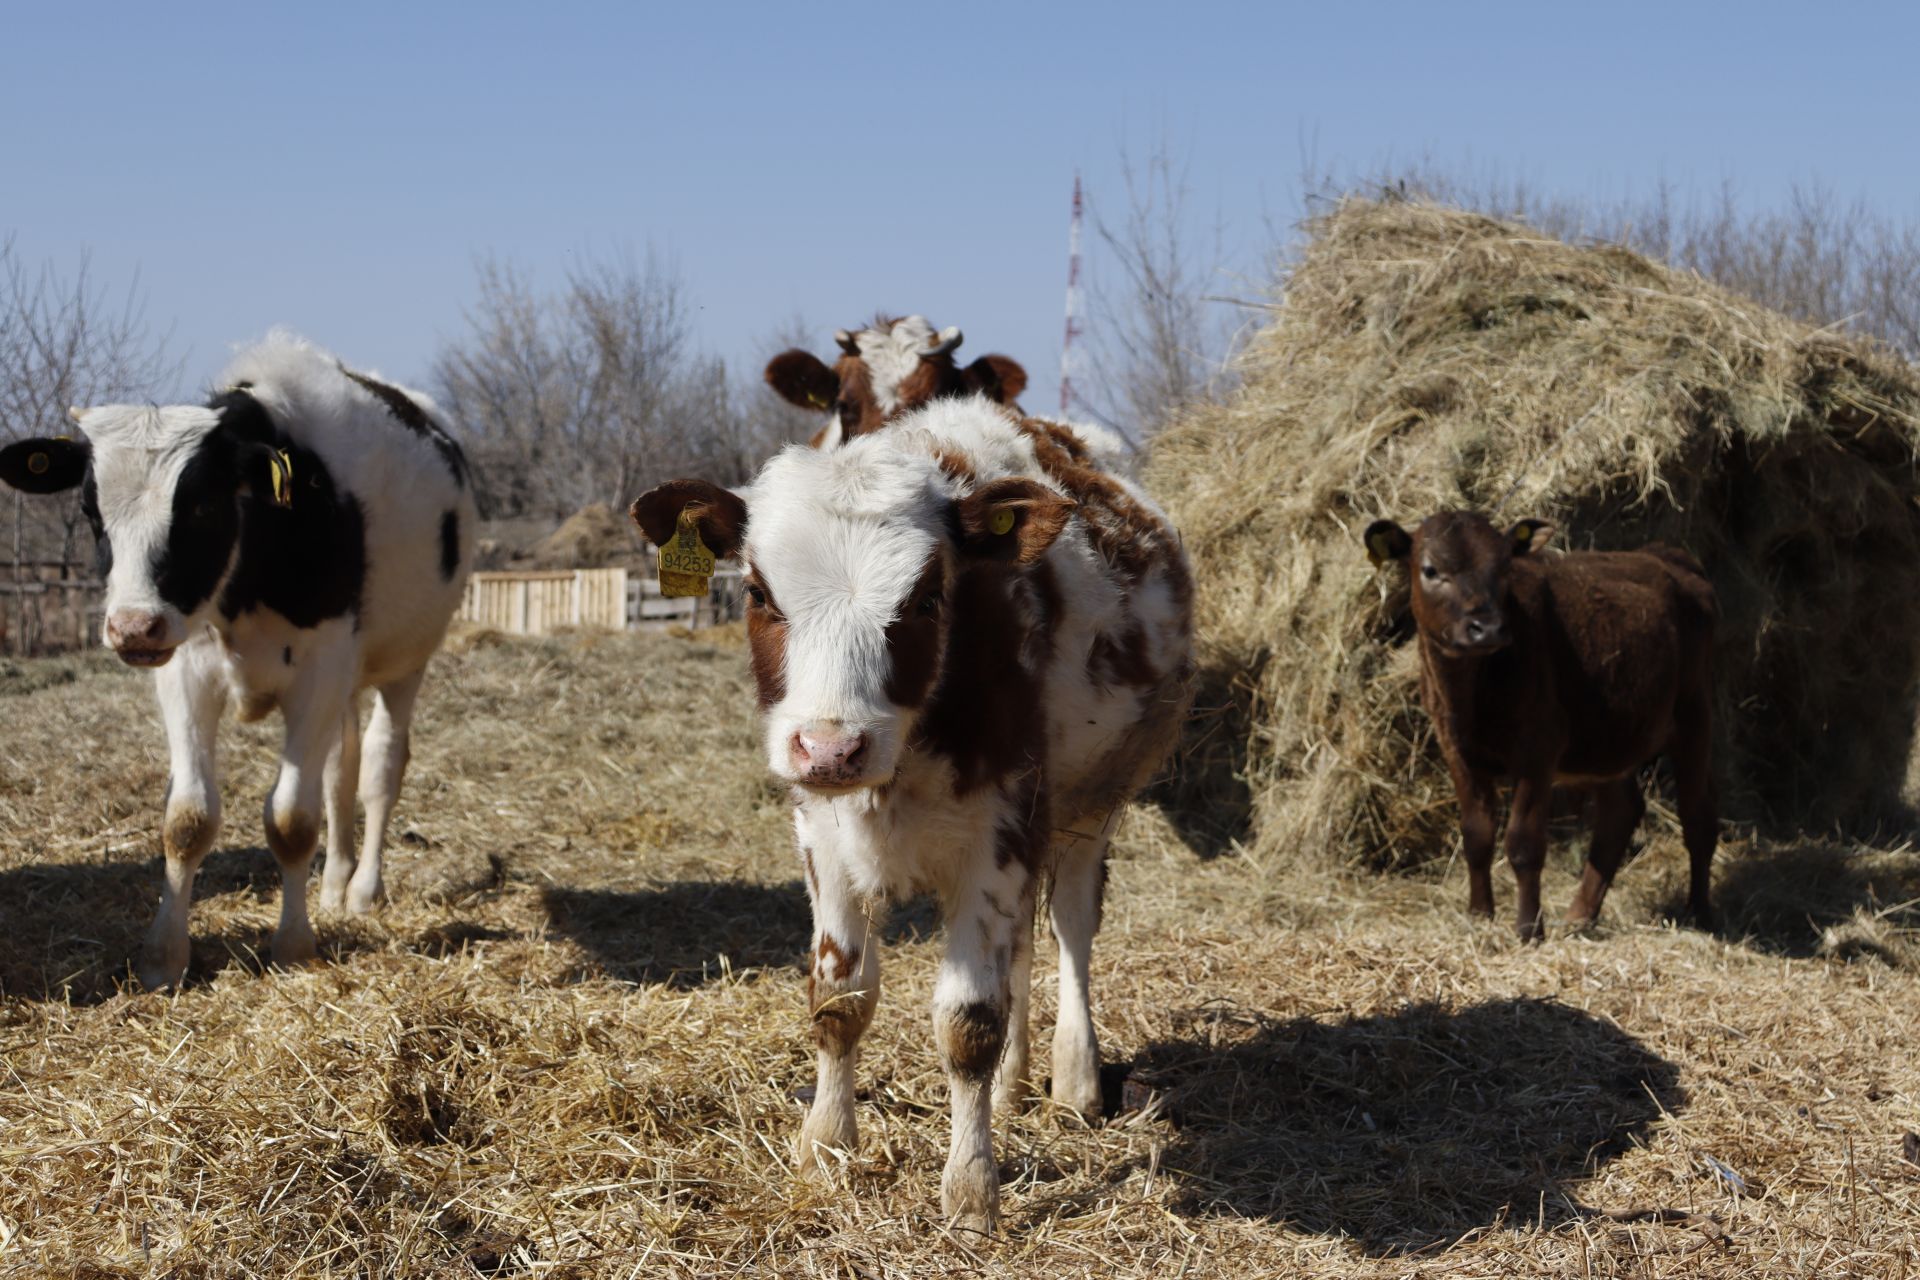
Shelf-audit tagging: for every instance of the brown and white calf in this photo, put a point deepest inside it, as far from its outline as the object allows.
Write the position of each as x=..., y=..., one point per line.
x=971, y=648
x=886, y=370
x=1569, y=670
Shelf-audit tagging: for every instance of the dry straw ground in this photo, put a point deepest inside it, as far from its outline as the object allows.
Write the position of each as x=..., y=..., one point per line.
x=572, y=1043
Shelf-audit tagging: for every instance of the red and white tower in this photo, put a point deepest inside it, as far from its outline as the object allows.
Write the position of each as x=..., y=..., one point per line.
x=1073, y=303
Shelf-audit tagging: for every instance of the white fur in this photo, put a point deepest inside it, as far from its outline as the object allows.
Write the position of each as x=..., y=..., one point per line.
x=313, y=674
x=839, y=537
x=892, y=355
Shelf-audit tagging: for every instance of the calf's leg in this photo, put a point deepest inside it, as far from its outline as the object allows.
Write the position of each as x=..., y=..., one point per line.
x=971, y=1001
x=1012, y=1078
x=842, y=989
x=1699, y=811
x=1479, y=819
x=1618, y=807
x=313, y=707
x=1079, y=885
x=383, y=765
x=1527, y=851
x=193, y=695
x=343, y=774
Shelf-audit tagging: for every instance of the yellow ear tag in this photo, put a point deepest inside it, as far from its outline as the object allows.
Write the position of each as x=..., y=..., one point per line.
x=39, y=463
x=1001, y=521
x=686, y=565
x=818, y=401
x=280, y=464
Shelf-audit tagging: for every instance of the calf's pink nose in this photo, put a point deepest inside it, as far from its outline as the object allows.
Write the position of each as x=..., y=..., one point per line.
x=134, y=627
x=828, y=755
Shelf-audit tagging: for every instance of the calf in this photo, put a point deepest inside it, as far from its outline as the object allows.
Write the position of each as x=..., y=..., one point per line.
x=1572, y=670
x=971, y=648
x=885, y=370
x=302, y=536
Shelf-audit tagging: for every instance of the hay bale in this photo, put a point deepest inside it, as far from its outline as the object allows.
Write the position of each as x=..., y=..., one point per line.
x=1422, y=357
x=594, y=537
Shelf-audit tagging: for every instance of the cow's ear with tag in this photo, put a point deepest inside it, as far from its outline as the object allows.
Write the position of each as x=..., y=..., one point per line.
x=802, y=379
x=268, y=474
x=1529, y=536
x=1387, y=541
x=1013, y=519
x=44, y=465
x=719, y=514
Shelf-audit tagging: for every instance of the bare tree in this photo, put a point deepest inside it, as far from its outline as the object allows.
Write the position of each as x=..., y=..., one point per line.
x=66, y=340
x=1158, y=342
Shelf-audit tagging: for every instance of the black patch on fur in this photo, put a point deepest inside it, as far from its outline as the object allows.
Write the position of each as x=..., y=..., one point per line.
x=307, y=562
x=204, y=523
x=415, y=419
x=449, y=545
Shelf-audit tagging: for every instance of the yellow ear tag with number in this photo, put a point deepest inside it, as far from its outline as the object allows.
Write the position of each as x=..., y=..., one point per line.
x=280, y=464
x=1001, y=522
x=686, y=566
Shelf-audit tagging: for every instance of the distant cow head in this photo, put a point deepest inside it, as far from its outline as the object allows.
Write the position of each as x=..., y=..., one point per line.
x=1459, y=565
x=885, y=370
x=162, y=488
x=851, y=558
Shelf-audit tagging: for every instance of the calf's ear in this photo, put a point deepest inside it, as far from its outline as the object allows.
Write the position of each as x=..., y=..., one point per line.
x=999, y=378
x=1529, y=536
x=1387, y=541
x=721, y=513
x=1011, y=519
x=44, y=466
x=801, y=379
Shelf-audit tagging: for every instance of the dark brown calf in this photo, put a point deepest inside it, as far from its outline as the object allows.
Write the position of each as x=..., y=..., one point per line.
x=1571, y=670
x=890, y=368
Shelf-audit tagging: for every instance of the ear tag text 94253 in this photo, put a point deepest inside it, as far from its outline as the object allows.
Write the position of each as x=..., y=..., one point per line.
x=686, y=566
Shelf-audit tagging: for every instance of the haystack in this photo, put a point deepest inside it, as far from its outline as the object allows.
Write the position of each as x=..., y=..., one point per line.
x=1421, y=357
x=594, y=537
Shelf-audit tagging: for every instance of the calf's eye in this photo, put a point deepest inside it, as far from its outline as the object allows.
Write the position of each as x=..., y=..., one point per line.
x=928, y=604
x=1429, y=573
x=756, y=596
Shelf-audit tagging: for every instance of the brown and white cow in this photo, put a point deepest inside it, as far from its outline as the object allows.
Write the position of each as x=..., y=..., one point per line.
x=971, y=648
x=886, y=370
x=1570, y=670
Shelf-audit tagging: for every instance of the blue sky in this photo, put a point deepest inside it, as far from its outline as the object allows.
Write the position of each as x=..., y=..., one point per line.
x=337, y=168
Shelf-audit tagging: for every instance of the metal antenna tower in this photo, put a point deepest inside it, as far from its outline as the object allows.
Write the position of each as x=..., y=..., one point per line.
x=1073, y=302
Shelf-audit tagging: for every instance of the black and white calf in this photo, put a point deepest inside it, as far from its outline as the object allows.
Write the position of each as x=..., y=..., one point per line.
x=972, y=645
x=303, y=536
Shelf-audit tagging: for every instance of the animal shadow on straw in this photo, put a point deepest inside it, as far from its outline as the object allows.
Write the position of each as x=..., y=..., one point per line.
x=71, y=930
x=1408, y=1130
x=1807, y=896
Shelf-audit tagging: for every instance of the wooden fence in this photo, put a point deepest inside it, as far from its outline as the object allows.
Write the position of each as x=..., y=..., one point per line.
x=42, y=612
x=538, y=603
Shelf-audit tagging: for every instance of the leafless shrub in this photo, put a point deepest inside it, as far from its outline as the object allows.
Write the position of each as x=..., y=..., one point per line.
x=590, y=394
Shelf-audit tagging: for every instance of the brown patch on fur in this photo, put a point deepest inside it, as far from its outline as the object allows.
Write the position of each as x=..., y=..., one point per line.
x=767, y=643
x=1122, y=659
x=813, y=878
x=293, y=839
x=988, y=714
x=1126, y=533
x=832, y=961
x=1025, y=831
x=913, y=638
x=971, y=1038
x=840, y=1021
x=256, y=706
x=956, y=466
x=189, y=833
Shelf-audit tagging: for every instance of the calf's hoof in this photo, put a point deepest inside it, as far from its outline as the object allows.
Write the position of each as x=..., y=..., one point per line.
x=364, y=900
x=825, y=1139
x=1532, y=931
x=163, y=963
x=294, y=947
x=970, y=1197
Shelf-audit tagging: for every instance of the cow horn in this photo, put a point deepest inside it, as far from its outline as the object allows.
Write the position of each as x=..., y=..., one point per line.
x=75, y=412
x=949, y=338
